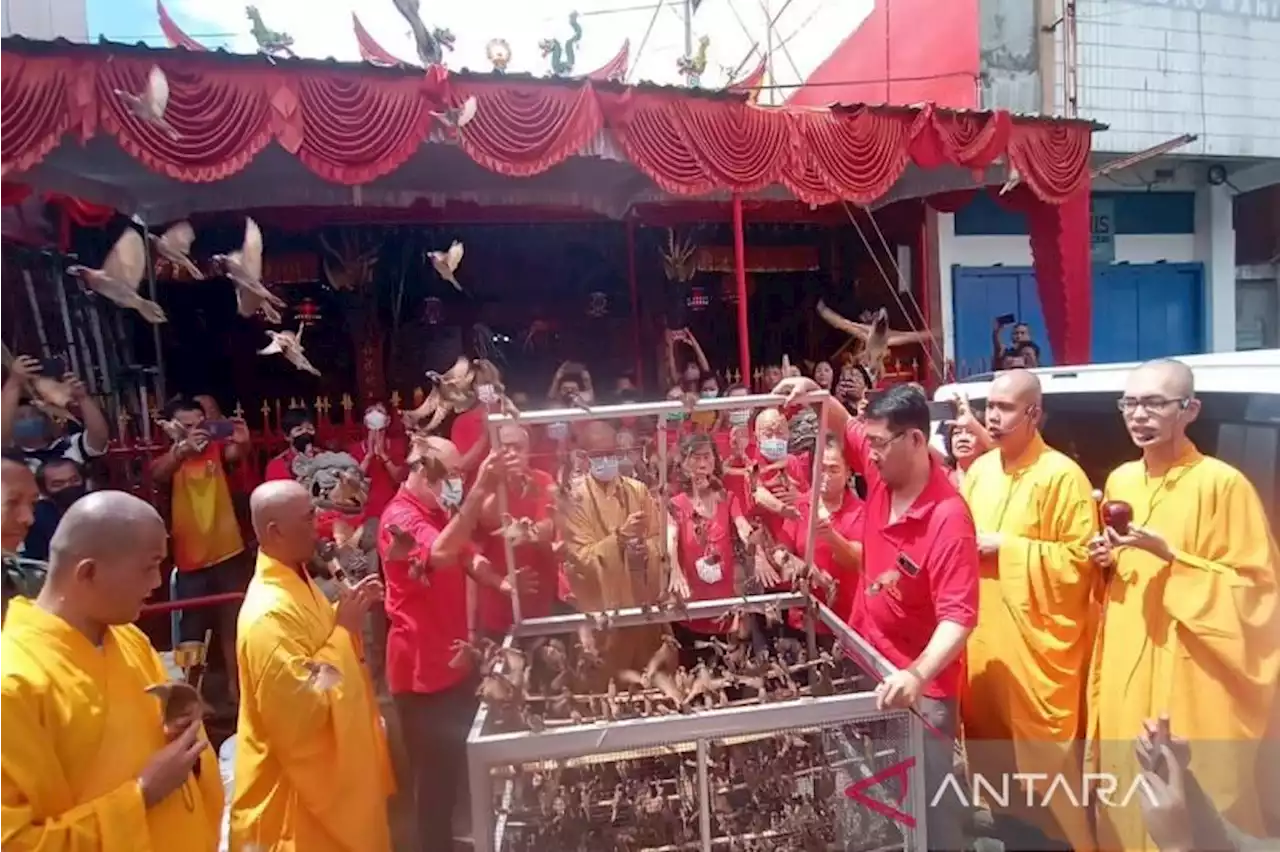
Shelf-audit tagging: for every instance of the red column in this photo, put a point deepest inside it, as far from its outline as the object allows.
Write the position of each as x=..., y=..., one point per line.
x=740, y=274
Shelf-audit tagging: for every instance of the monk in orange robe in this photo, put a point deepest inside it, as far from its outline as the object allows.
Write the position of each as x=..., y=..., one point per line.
x=1028, y=656
x=92, y=761
x=312, y=769
x=1191, y=625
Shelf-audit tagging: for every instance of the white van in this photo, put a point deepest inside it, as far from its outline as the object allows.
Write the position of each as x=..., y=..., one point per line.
x=1239, y=418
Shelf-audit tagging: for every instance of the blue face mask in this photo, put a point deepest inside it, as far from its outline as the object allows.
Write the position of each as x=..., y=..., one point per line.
x=739, y=418
x=677, y=416
x=709, y=394
x=451, y=493
x=604, y=468
x=773, y=449
x=29, y=431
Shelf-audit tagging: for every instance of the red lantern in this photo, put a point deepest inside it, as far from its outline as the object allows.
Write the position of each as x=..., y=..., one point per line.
x=597, y=305
x=308, y=312
x=698, y=298
x=432, y=310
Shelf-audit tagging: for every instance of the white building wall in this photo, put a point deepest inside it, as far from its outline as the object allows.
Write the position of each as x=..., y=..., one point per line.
x=45, y=19
x=1155, y=69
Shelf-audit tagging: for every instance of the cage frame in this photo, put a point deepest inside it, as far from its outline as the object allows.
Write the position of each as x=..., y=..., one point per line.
x=485, y=751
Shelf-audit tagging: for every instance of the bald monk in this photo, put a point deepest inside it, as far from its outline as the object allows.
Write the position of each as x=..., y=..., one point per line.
x=1191, y=627
x=18, y=496
x=612, y=530
x=87, y=764
x=1028, y=657
x=311, y=771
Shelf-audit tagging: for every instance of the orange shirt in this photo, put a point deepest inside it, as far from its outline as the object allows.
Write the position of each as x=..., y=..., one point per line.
x=205, y=529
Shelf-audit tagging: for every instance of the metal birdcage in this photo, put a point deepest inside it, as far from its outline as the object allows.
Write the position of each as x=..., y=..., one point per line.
x=813, y=770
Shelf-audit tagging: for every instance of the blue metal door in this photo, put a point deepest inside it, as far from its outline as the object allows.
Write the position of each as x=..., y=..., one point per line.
x=1139, y=311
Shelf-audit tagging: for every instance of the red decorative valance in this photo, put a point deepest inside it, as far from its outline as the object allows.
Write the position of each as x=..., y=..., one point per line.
x=353, y=124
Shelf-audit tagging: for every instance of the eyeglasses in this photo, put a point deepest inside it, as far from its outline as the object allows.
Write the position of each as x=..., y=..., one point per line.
x=879, y=445
x=1153, y=404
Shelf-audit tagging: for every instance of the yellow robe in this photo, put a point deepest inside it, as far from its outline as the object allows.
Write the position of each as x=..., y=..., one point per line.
x=603, y=580
x=312, y=768
x=1028, y=656
x=1198, y=639
x=78, y=729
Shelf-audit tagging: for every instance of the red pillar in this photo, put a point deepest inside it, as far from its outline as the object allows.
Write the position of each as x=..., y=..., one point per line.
x=740, y=275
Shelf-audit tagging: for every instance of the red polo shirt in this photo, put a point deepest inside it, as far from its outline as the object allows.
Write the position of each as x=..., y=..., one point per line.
x=281, y=466
x=846, y=521
x=468, y=429
x=718, y=533
x=940, y=583
x=423, y=620
x=798, y=469
x=494, y=608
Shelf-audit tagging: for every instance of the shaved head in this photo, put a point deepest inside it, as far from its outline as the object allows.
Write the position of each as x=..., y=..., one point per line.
x=771, y=422
x=1159, y=403
x=104, y=557
x=1170, y=376
x=598, y=436
x=284, y=521
x=19, y=493
x=1013, y=411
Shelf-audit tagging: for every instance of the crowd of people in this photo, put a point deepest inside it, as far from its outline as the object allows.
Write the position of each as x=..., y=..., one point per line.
x=1035, y=635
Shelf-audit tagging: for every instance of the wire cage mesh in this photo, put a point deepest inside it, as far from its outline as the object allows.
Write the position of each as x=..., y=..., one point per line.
x=761, y=732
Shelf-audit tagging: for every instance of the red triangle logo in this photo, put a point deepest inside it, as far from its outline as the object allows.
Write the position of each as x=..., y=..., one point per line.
x=860, y=792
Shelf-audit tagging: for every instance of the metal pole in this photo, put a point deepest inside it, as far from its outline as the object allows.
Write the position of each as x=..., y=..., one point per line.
x=768, y=53
x=151, y=294
x=704, y=796
x=35, y=314
x=60, y=280
x=740, y=276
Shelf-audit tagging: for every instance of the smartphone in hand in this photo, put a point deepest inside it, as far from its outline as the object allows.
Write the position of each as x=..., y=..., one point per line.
x=1006, y=319
x=218, y=430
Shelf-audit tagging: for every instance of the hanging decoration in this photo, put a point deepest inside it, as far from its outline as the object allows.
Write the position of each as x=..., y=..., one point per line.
x=698, y=298
x=498, y=53
x=562, y=55
x=432, y=310
x=308, y=312
x=693, y=67
x=597, y=305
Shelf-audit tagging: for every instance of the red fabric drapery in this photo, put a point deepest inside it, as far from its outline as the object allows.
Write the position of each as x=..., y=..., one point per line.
x=353, y=124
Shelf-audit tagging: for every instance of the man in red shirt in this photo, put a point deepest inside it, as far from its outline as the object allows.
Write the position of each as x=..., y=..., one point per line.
x=917, y=601
x=529, y=496
x=301, y=432
x=435, y=702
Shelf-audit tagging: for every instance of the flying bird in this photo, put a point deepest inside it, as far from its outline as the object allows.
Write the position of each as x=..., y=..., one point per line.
x=458, y=117
x=149, y=105
x=876, y=336
x=446, y=263
x=120, y=275
x=320, y=676
x=174, y=245
x=448, y=391
x=244, y=268
x=289, y=344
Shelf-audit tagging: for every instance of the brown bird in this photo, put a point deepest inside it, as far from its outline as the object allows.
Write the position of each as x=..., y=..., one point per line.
x=289, y=344
x=50, y=394
x=446, y=263
x=244, y=268
x=174, y=245
x=877, y=338
x=458, y=117
x=180, y=705
x=351, y=490
x=174, y=430
x=150, y=104
x=516, y=530
x=120, y=275
x=450, y=391
x=886, y=580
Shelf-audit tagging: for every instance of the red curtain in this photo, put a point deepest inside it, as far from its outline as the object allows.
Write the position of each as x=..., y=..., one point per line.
x=352, y=125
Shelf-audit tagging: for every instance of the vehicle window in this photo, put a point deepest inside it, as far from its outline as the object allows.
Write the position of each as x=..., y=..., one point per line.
x=1241, y=429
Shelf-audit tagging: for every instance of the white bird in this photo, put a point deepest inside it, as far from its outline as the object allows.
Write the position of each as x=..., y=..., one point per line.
x=120, y=275
x=244, y=268
x=174, y=245
x=458, y=117
x=446, y=263
x=149, y=105
x=289, y=344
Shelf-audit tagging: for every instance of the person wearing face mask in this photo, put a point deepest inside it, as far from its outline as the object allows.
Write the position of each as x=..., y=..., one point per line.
x=426, y=604
x=611, y=531
x=691, y=375
x=1192, y=610
x=300, y=430
x=381, y=457
x=735, y=446
x=700, y=531
x=61, y=483
x=1027, y=660
x=26, y=429
x=779, y=477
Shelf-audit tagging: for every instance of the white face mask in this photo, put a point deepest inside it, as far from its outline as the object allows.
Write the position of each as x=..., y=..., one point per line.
x=709, y=572
x=375, y=420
